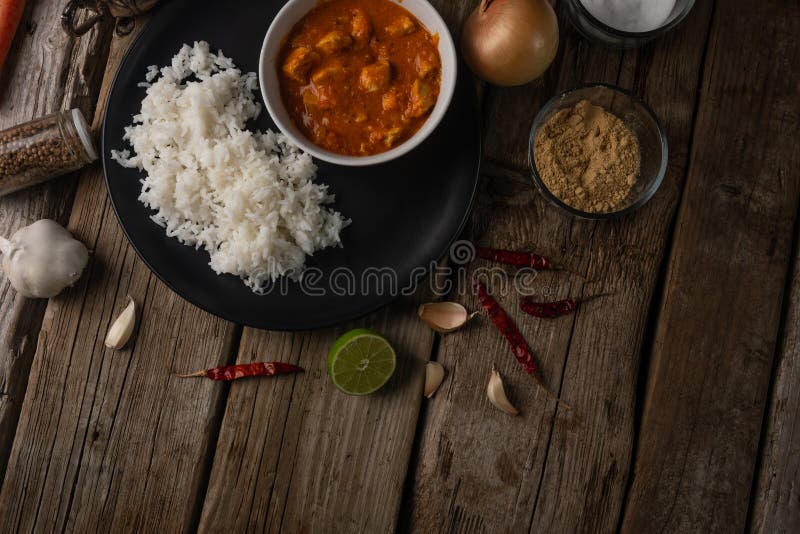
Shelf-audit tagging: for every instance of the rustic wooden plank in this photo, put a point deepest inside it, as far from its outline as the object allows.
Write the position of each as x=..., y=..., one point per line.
x=716, y=338
x=112, y=441
x=775, y=506
x=297, y=455
x=46, y=71
x=548, y=470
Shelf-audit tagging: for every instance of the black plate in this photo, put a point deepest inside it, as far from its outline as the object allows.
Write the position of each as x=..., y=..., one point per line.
x=405, y=213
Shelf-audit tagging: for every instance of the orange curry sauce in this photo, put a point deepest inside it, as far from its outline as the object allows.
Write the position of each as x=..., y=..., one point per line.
x=359, y=77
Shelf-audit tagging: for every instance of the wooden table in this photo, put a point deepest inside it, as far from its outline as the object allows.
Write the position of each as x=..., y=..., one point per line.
x=685, y=383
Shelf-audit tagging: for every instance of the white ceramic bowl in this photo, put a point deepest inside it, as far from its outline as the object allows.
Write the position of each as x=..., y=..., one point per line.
x=283, y=23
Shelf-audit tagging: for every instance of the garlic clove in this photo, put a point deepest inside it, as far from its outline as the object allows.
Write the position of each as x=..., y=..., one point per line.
x=445, y=317
x=497, y=394
x=122, y=328
x=434, y=374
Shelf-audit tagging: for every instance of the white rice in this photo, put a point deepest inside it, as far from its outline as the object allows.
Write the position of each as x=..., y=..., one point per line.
x=247, y=198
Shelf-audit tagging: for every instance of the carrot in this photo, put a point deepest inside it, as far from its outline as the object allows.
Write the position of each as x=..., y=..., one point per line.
x=10, y=15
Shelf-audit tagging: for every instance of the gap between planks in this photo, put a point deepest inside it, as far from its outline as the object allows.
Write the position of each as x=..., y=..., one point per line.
x=216, y=424
x=658, y=294
x=770, y=519
x=721, y=450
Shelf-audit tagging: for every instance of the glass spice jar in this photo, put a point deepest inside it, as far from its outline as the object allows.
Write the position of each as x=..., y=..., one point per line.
x=44, y=148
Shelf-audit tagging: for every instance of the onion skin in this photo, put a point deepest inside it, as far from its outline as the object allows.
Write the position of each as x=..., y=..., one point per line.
x=510, y=42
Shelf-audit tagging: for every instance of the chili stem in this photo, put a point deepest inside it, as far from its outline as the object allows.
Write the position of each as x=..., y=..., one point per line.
x=194, y=375
x=550, y=393
x=557, y=267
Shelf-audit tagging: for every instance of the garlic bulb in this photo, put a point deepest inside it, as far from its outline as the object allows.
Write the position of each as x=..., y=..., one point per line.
x=42, y=259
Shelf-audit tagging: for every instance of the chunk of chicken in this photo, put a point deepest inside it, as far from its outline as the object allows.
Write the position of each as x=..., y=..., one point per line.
x=333, y=42
x=319, y=97
x=327, y=97
x=393, y=135
x=310, y=98
x=376, y=77
x=390, y=100
x=401, y=26
x=387, y=137
x=360, y=27
x=426, y=62
x=299, y=63
x=376, y=135
x=328, y=74
x=422, y=98
x=320, y=134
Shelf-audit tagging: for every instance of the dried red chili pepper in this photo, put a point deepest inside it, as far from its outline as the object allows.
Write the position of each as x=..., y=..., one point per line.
x=547, y=310
x=521, y=259
x=551, y=310
x=235, y=372
x=509, y=330
x=512, y=334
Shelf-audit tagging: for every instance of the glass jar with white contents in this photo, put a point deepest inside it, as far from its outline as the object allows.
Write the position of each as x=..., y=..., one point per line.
x=627, y=23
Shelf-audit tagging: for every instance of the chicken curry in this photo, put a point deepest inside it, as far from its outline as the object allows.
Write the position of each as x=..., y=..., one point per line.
x=359, y=77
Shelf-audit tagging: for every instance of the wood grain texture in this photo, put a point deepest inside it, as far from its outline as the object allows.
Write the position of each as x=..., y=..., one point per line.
x=46, y=71
x=716, y=337
x=775, y=506
x=297, y=455
x=112, y=441
x=549, y=470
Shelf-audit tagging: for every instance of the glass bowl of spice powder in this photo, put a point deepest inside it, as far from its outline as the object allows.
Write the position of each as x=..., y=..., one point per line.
x=597, y=151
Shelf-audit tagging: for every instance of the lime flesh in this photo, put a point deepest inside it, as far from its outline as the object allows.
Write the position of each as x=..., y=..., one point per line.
x=361, y=362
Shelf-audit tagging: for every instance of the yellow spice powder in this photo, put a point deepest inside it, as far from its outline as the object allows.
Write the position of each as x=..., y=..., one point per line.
x=588, y=158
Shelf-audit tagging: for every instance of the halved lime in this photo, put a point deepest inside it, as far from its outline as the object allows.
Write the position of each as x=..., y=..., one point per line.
x=361, y=362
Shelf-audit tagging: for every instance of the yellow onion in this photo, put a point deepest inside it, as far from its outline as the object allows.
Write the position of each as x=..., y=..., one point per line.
x=510, y=42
